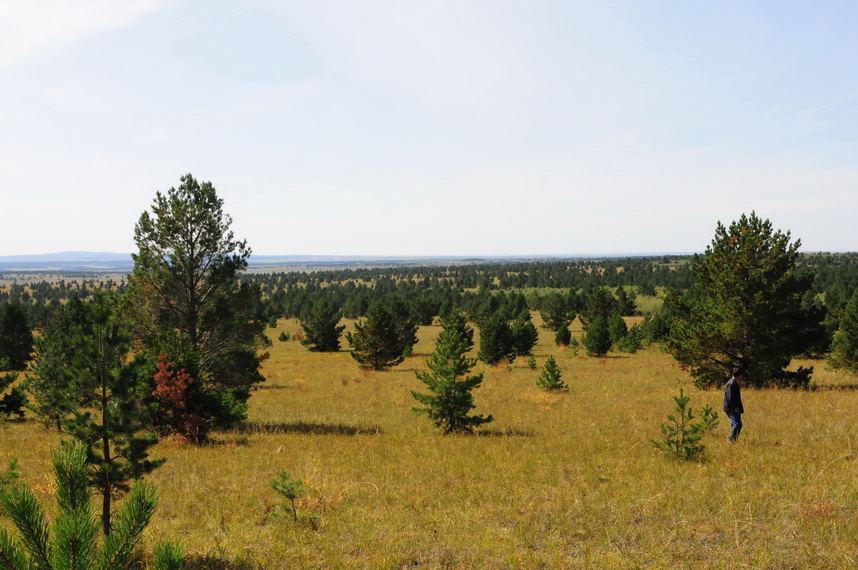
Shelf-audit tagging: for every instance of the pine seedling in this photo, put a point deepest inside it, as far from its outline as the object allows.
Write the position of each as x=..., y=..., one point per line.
x=72, y=540
x=290, y=489
x=550, y=377
x=682, y=435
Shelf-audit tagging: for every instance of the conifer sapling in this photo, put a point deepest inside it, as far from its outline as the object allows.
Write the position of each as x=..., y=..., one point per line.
x=450, y=399
x=550, y=377
x=682, y=436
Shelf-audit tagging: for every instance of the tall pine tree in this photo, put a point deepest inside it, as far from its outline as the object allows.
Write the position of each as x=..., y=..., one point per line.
x=749, y=306
x=186, y=299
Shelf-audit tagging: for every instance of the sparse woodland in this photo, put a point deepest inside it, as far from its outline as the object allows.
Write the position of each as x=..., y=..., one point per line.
x=315, y=376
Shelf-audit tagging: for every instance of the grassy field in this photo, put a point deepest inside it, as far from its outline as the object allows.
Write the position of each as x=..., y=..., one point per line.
x=556, y=481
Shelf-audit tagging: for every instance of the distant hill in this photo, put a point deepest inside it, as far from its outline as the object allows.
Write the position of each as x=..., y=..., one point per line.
x=67, y=261
x=122, y=262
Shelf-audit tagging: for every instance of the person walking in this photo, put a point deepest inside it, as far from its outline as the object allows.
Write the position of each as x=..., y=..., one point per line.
x=733, y=404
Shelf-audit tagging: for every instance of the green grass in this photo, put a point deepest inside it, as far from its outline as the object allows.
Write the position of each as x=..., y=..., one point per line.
x=558, y=480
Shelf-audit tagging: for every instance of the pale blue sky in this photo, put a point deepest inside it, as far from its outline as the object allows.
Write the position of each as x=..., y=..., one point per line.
x=431, y=128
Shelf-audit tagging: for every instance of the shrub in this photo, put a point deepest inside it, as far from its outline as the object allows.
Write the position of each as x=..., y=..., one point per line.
x=178, y=411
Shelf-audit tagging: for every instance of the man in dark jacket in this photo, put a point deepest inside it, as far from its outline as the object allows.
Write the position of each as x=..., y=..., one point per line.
x=733, y=404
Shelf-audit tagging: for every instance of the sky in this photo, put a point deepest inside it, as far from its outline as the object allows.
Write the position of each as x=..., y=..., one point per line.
x=418, y=128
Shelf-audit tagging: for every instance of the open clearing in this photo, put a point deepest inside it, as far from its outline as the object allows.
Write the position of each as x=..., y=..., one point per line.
x=569, y=480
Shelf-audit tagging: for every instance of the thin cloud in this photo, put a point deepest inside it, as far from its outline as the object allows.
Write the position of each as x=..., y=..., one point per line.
x=33, y=28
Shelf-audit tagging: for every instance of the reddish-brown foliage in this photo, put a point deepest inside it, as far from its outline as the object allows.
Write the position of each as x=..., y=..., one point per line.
x=172, y=390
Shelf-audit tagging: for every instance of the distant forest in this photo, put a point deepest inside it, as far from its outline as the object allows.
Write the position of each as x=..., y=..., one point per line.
x=478, y=288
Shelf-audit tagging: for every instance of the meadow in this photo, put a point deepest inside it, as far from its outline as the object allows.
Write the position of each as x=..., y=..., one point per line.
x=555, y=481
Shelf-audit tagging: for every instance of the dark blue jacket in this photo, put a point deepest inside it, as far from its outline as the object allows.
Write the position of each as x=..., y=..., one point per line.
x=733, y=397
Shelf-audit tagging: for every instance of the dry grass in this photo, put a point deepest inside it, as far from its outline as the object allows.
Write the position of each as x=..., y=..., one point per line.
x=566, y=481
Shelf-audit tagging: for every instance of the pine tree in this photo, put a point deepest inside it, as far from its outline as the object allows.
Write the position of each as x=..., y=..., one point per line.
x=454, y=319
x=290, y=489
x=496, y=343
x=599, y=303
x=377, y=341
x=597, y=339
x=626, y=303
x=450, y=399
x=405, y=322
x=16, y=338
x=185, y=298
x=550, y=377
x=632, y=341
x=51, y=384
x=13, y=401
x=524, y=337
x=563, y=336
x=844, y=348
x=749, y=306
x=112, y=419
x=321, y=333
x=71, y=541
x=556, y=310
x=617, y=327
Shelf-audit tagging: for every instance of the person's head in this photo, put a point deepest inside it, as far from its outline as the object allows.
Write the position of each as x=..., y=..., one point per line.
x=738, y=373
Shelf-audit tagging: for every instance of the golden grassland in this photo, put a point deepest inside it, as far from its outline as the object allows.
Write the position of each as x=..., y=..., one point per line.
x=556, y=481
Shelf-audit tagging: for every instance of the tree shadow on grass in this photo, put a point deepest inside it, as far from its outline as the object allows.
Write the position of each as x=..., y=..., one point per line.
x=306, y=428
x=509, y=432
x=203, y=562
x=833, y=388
